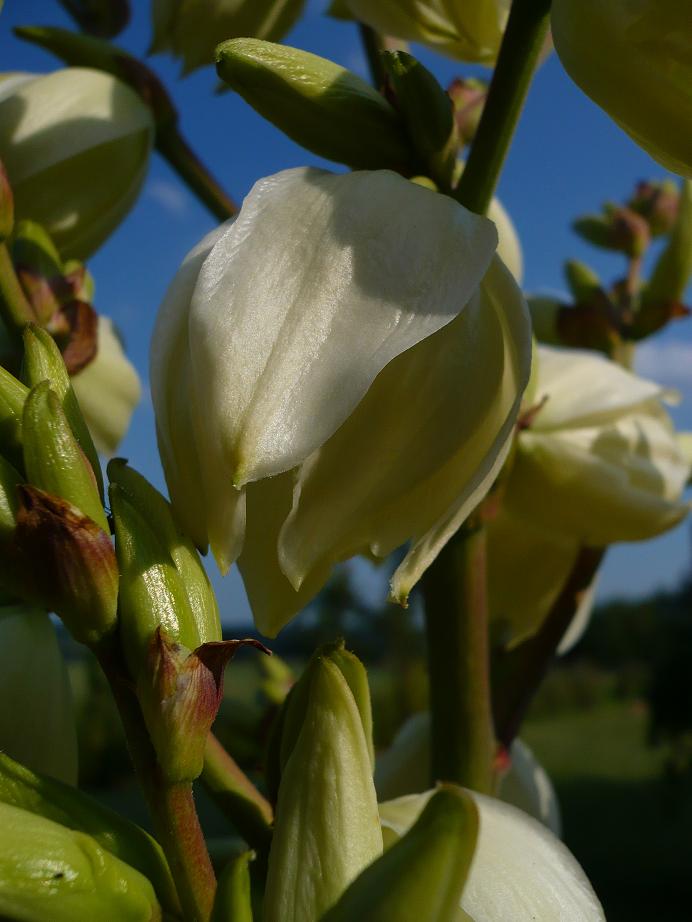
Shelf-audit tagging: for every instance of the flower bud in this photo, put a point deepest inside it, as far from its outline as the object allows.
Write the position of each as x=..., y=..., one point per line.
x=468, y=98
x=233, y=897
x=673, y=269
x=9, y=481
x=43, y=362
x=48, y=871
x=191, y=31
x=540, y=878
x=633, y=60
x=427, y=113
x=318, y=104
x=37, y=723
x=39, y=268
x=6, y=205
x=423, y=874
x=582, y=280
x=467, y=31
x=103, y=18
x=620, y=229
x=97, y=127
x=327, y=827
x=13, y=396
x=53, y=459
x=658, y=203
x=62, y=803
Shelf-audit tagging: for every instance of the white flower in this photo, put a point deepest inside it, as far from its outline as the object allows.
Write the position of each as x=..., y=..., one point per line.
x=520, y=871
x=76, y=146
x=329, y=379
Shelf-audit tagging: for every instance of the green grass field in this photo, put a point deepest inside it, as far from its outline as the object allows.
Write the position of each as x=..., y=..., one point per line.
x=629, y=825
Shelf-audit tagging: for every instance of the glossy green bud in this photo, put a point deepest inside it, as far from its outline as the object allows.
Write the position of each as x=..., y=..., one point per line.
x=13, y=395
x=427, y=112
x=327, y=828
x=318, y=104
x=37, y=722
x=233, y=892
x=53, y=459
x=38, y=267
x=582, y=280
x=422, y=876
x=43, y=362
x=49, y=873
x=60, y=135
x=159, y=514
x=9, y=481
x=191, y=30
x=634, y=59
x=64, y=804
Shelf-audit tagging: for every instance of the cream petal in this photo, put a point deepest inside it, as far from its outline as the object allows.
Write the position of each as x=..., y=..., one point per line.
x=416, y=444
x=108, y=390
x=320, y=282
x=520, y=870
x=581, y=619
x=528, y=787
x=508, y=247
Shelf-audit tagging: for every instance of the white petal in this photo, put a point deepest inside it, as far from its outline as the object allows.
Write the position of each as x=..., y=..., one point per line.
x=320, y=282
x=528, y=787
x=508, y=247
x=581, y=619
x=585, y=389
x=520, y=871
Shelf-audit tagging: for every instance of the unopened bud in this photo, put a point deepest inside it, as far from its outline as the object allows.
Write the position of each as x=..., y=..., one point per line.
x=66, y=563
x=320, y=105
x=427, y=113
x=13, y=395
x=423, y=874
x=43, y=361
x=39, y=269
x=6, y=205
x=327, y=824
x=233, y=898
x=49, y=871
x=53, y=459
x=104, y=18
x=619, y=229
x=582, y=280
x=657, y=203
x=672, y=272
x=9, y=481
x=468, y=98
x=180, y=692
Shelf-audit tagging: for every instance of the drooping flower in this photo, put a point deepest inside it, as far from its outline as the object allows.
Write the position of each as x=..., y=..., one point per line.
x=76, y=146
x=337, y=372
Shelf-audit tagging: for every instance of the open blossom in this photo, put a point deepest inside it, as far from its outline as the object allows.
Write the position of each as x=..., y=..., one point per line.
x=76, y=146
x=336, y=372
x=468, y=31
x=597, y=462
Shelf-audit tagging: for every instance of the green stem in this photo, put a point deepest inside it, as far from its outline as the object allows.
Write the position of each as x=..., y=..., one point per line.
x=456, y=618
x=14, y=306
x=172, y=807
x=174, y=148
x=521, y=46
x=518, y=672
x=236, y=796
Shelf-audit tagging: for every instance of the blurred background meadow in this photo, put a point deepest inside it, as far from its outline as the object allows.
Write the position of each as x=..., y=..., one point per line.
x=612, y=724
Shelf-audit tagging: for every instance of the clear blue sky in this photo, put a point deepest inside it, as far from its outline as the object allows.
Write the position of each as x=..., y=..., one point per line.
x=566, y=159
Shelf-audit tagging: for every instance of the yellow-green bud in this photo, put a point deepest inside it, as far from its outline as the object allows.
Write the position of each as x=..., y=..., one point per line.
x=673, y=269
x=97, y=127
x=49, y=873
x=634, y=60
x=422, y=875
x=9, y=481
x=13, y=395
x=192, y=30
x=582, y=280
x=327, y=826
x=67, y=805
x=320, y=105
x=233, y=891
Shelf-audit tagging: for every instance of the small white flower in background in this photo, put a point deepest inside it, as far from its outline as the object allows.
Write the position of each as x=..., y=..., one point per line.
x=520, y=871
x=75, y=144
x=108, y=390
x=598, y=462
x=467, y=31
x=37, y=724
x=336, y=372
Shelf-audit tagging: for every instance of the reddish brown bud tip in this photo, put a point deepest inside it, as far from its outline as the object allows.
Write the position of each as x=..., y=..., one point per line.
x=468, y=98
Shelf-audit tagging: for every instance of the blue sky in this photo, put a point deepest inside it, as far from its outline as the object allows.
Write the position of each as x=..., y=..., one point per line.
x=566, y=159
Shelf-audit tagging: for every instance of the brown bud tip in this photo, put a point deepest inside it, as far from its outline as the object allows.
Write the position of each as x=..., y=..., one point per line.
x=75, y=329
x=468, y=98
x=658, y=203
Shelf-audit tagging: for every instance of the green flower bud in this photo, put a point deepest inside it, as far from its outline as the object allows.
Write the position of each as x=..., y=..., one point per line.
x=658, y=202
x=427, y=113
x=422, y=876
x=43, y=362
x=192, y=30
x=104, y=18
x=6, y=205
x=37, y=724
x=9, y=481
x=53, y=459
x=60, y=135
x=327, y=828
x=318, y=104
x=620, y=229
x=13, y=396
x=633, y=60
x=673, y=269
x=233, y=891
x=49, y=873
x=582, y=280
x=64, y=804
x=38, y=267
x=468, y=98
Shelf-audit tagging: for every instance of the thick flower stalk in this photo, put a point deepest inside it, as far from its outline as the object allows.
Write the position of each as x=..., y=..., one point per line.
x=76, y=146
x=312, y=370
x=597, y=461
